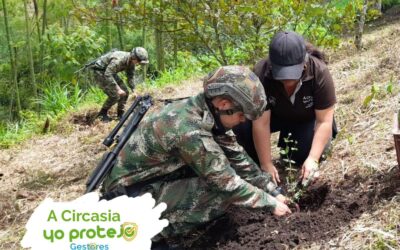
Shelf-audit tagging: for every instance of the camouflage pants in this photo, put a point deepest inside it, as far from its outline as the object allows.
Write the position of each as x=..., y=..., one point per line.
x=190, y=204
x=111, y=91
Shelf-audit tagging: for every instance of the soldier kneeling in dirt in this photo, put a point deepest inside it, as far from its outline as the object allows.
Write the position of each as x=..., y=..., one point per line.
x=106, y=69
x=186, y=155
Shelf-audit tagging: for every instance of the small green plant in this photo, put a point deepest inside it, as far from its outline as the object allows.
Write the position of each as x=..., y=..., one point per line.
x=383, y=244
x=350, y=138
x=389, y=86
x=294, y=191
x=374, y=92
x=378, y=92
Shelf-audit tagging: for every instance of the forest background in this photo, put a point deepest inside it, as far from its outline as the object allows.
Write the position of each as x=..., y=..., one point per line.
x=44, y=42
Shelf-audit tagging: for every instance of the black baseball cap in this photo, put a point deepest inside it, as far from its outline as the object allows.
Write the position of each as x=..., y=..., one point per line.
x=287, y=52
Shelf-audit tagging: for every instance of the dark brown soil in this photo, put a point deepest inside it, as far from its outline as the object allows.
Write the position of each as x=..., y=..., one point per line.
x=326, y=210
x=86, y=118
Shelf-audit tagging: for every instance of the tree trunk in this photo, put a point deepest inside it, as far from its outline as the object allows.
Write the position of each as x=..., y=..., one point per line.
x=120, y=32
x=159, y=49
x=44, y=18
x=39, y=36
x=12, y=60
x=41, y=51
x=108, y=26
x=37, y=21
x=360, y=25
x=144, y=66
x=29, y=47
x=158, y=37
x=175, y=46
x=378, y=6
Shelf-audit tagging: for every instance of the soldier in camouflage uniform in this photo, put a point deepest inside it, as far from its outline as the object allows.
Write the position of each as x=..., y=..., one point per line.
x=186, y=155
x=106, y=69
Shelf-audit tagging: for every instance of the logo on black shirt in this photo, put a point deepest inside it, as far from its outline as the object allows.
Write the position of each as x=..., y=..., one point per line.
x=272, y=100
x=308, y=101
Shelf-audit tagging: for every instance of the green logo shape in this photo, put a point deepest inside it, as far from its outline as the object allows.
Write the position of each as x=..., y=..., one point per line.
x=130, y=230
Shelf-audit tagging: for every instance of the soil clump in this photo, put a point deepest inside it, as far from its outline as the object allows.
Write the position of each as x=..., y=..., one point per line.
x=326, y=209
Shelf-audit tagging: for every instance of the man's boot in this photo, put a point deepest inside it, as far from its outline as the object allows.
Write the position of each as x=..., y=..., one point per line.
x=120, y=113
x=103, y=115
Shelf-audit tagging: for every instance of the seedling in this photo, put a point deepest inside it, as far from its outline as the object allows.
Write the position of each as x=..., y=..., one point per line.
x=377, y=92
x=294, y=188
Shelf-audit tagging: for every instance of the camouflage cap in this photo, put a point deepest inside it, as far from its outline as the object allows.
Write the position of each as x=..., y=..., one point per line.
x=239, y=84
x=140, y=54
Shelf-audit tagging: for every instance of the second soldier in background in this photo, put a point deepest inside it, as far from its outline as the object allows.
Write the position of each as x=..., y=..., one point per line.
x=106, y=69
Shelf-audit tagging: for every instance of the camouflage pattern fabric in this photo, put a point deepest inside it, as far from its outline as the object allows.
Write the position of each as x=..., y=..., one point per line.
x=179, y=136
x=106, y=71
x=241, y=85
x=111, y=91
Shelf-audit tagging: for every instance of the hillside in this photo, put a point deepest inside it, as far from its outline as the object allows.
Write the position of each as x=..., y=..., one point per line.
x=355, y=204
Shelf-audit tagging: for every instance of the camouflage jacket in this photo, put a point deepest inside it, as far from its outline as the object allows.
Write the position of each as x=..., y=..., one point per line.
x=114, y=62
x=180, y=135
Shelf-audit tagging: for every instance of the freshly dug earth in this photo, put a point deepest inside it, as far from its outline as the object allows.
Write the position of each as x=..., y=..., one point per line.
x=326, y=210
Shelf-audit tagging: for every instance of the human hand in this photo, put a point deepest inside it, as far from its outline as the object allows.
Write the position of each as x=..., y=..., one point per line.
x=120, y=92
x=282, y=198
x=281, y=209
x=271, y=169
x=309, y=171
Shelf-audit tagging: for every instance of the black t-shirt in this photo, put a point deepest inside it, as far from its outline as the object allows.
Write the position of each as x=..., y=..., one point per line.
x=317, y=91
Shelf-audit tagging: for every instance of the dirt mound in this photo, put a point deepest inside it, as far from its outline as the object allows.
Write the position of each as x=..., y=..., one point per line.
x=85, y=119
x=326, y=210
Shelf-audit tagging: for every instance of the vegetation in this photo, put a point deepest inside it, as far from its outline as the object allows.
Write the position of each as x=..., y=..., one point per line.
x=293, y=187
x=47, y=41
x=361, y=170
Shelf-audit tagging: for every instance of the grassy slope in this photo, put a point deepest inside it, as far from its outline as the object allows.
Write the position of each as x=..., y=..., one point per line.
x=52, y=166
x=365, y=144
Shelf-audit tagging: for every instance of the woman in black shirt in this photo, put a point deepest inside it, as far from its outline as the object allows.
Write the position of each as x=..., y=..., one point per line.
x=301, y=98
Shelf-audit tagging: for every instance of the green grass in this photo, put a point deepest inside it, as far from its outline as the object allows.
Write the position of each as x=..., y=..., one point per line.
x=14, y=132
x=58, y=99
x=94, y=96
x=170, y=76
x=385, y=244
x=188, y=68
